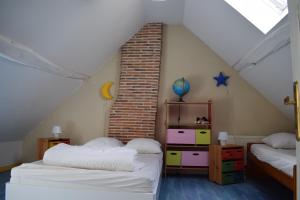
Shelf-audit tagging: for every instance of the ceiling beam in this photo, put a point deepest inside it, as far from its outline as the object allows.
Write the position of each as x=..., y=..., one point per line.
x=272, y=43
x=15, y=52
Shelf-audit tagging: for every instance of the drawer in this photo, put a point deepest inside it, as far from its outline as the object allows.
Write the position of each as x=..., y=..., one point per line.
x=239, y=165
x=203, y=136
x=228, y=154
x=181, y=136
x=194, y=158
x=227, y=166
x=239, y=176
x=227, y=178
x=53, y=143
x=236, y=177
x=173, y=158
x=238, y=153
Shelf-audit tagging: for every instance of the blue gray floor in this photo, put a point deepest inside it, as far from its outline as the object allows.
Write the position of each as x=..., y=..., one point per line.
x=200, y=188
x=4, y=177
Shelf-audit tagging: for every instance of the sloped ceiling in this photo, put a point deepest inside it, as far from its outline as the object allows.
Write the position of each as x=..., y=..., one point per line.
x=236, y=40
x=79, y=36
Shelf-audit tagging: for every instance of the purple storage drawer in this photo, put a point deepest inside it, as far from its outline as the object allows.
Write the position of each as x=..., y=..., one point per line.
x=194, y=158
x=181, y=136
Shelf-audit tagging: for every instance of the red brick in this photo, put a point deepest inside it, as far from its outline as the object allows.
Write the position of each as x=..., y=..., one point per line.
x=133, y=114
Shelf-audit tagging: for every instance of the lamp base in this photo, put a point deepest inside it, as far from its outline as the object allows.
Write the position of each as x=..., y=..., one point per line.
x=56, y=135
x=223, y=142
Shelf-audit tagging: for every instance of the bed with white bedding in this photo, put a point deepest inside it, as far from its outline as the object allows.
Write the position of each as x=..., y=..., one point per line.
x=282, y=159
x=279, y=164
x=77, y=183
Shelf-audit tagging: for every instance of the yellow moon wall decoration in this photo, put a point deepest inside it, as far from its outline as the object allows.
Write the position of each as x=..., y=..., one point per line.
x=105, y=90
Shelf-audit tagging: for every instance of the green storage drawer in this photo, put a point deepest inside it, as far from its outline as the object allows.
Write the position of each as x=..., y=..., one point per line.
x=203, y=136
x=227, y=178
x=227, y=166
x=173, y=158
x=235, y=177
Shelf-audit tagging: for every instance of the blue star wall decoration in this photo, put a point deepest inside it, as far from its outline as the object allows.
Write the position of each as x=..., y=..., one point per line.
x=221, y=79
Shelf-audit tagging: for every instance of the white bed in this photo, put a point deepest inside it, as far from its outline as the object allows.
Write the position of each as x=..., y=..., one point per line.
x=282, y=159
x=34, y=180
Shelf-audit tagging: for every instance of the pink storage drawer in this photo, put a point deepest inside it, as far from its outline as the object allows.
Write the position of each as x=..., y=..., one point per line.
x=181, y=136
x=194, y=158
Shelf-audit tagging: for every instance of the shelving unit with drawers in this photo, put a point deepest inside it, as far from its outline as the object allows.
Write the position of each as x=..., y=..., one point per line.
x=226, y=164
x=186, y=145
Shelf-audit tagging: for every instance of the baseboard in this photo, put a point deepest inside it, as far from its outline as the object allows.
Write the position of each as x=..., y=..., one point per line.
x=8, y=167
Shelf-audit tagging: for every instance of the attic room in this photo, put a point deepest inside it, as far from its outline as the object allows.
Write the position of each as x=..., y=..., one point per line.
x=149, y=99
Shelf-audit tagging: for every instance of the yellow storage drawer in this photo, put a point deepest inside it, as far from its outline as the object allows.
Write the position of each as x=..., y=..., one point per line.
x=203, y=136
x=173, y=158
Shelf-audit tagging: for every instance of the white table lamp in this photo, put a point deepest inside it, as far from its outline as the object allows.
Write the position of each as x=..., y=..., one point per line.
x=56, y=130
x=223, y=137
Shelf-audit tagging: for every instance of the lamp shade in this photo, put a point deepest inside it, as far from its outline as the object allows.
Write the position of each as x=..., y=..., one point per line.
x=56, y=130
x=223, y=135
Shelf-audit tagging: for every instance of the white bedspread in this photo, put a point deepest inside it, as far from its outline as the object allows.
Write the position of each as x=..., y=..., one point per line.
x=144, y=180
x=282, y=159
x=115, y=158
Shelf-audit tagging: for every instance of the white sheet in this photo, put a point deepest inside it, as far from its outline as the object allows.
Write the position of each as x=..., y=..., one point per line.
x=144, y=180
x=114, y=158
x=282, y=159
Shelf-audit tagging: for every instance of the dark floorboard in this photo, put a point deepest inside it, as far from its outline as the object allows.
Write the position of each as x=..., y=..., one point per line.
x=200, y=188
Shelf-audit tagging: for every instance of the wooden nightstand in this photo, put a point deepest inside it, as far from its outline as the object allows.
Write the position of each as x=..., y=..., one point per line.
x=46, y=143
x=226, y=163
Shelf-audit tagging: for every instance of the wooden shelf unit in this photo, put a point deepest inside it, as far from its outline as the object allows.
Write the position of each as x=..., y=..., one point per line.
x=183, y=148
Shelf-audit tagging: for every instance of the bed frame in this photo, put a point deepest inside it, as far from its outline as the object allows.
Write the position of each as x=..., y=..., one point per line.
x=21, y=191
x=262, y=168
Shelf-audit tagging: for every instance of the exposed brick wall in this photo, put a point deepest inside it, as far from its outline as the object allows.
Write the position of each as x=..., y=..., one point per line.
x=134, y=111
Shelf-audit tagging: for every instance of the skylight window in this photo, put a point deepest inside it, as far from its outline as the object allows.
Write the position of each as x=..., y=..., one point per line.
x=264, y=14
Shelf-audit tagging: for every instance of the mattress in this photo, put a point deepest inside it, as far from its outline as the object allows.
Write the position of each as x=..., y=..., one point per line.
x=282, y=159
x=144, y=180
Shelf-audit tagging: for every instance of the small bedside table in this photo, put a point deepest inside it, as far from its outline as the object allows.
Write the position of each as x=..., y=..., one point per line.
x=226, y=163
x=46, y=143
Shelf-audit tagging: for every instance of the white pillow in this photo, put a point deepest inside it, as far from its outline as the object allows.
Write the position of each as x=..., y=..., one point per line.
x=103, y=143
x=144, y=145
x=281, y=140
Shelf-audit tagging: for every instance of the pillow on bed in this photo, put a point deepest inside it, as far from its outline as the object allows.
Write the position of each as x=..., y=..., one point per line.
x=144, y=145
x=281, y=140
x=103, y=143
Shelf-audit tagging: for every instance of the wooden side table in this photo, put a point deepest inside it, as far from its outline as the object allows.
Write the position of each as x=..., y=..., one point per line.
x=226, y=164
x=46, y=143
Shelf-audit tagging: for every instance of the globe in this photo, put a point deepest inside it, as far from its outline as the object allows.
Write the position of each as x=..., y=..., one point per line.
x=181, y=87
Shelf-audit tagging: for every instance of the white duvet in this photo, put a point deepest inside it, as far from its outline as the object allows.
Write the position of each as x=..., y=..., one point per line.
x=115, y=158
x=142, y=180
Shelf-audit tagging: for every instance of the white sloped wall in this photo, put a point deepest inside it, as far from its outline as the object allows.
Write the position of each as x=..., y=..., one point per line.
x=79, y=36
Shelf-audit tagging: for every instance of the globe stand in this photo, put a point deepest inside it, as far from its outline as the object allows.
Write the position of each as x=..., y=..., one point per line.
x=180, y=99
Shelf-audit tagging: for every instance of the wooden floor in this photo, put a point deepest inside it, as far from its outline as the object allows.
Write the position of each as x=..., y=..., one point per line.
x=199, y=188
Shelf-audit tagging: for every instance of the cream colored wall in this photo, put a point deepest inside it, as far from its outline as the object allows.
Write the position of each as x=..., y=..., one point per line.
x=83, y=116
x=238, y=108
